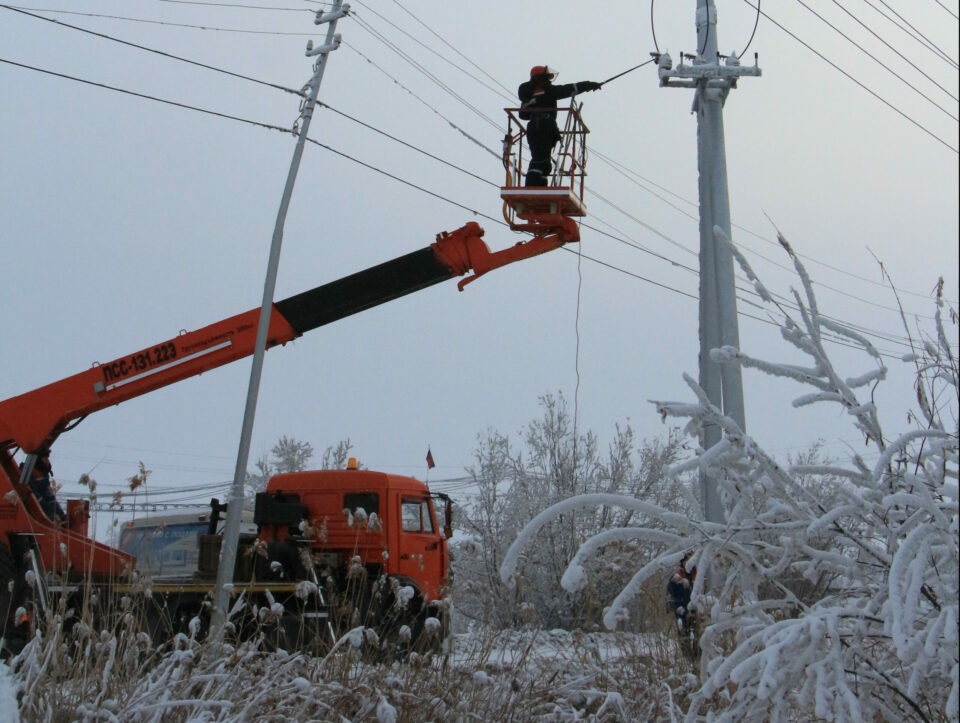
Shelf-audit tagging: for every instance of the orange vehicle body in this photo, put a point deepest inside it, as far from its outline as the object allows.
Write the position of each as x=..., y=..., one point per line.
x=387, y=523
x=31, y=423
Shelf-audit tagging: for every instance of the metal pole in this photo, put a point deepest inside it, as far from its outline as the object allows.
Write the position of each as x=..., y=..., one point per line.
x=718, y=302
x=231, y=532
x=712, y=195
x=713, y=166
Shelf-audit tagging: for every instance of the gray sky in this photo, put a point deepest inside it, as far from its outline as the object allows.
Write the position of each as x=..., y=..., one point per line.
x=124, y=220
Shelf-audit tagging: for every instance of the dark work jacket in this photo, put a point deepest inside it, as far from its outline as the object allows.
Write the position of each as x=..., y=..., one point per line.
x=542, y=95
x=679, y=588
x=40, y=486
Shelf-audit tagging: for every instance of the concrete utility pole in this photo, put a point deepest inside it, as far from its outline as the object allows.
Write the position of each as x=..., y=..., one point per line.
x=718, y=301
x=231, y=531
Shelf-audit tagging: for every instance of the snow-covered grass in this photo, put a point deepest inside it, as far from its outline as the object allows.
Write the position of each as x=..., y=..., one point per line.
x=117, y=675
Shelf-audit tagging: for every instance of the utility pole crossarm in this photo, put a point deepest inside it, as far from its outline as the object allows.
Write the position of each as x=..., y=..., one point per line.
x=714, y=74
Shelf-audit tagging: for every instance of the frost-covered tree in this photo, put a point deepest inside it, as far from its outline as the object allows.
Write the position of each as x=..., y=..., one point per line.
x=515, y=485
x=874, y=634
x=292, y=455
x=336, y=456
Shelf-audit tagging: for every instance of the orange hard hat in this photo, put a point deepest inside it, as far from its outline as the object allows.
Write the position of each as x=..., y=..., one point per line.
x=538, y=70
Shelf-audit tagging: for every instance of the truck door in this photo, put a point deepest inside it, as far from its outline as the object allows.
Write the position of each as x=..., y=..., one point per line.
x=421, y=556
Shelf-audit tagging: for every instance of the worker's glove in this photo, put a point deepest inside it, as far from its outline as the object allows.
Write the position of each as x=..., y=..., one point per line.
x=590, y=85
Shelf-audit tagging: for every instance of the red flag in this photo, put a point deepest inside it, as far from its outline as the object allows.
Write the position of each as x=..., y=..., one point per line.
x=430, y=464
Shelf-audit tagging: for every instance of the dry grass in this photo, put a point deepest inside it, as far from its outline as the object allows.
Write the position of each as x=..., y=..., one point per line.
x=78, y=666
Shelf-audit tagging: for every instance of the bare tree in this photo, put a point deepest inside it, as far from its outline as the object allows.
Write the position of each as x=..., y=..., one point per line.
x=514, y=486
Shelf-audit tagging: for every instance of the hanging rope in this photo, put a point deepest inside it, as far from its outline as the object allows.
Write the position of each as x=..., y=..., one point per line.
x=576, y=360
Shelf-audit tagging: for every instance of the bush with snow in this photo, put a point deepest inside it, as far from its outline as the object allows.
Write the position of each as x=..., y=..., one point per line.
x=874, y=637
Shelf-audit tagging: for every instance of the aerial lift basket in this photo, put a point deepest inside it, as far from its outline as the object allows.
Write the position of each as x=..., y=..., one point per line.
x=563, y=196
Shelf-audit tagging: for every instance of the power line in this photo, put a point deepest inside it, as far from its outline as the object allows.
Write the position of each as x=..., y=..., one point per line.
x=881, y=63
x=164, y=22
x=632, y=176
x=760, y=256
x=498, y=221
x=431, y=50
x=955, y=16
x=857, y=82
x=619, y=167
x=421, y=100
x=145, y=96
x=631, y=244
x=370, y=167
x=236, y=5
x=454, y=49
x=912, y=35
x=157, y=52
x=407, y=145
x=899, y=54
x=363, y=24
x=907, y=23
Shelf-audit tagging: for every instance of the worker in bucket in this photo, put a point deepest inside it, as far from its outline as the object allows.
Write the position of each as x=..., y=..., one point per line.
x=538, y=106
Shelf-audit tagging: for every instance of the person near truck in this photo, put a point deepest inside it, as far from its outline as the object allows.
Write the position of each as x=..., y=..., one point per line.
x=538, y=106
x=679, y=589
x=41, y=484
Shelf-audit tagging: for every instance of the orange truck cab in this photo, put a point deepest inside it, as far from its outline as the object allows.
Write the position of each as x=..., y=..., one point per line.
x=383, y=526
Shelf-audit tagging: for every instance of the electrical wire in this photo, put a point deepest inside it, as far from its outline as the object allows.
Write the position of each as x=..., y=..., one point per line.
x=955, y=16
x=287, y=130
x=632, y=176
x=754, y=253
x=434, y=52
x=157, y=52
x=903, y=57
x=847, y=75
x=421, y=100
x=880, y=62
x=145, y=96
x=603, y=157
x=454, y=49
x=907, y=23
x=653, y=30
x=364, y=25
x=236, y=5
x=167, y=23
x=912, y=36
x=706, y=36
x=407, y=145
x=756, y=22
x=335, y=151
x=342, y=154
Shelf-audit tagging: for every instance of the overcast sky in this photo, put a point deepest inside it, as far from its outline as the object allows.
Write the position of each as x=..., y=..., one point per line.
x=124, y=220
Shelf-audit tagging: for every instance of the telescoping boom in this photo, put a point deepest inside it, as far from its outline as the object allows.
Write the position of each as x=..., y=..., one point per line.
x=33, y=421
